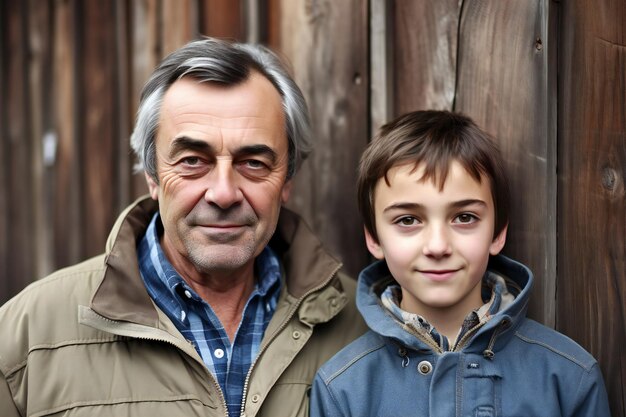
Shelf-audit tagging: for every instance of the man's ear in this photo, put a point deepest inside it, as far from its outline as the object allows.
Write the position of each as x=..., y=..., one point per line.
x=153, y=187
x=373, y=246
x=286, y=192
x=498, y=242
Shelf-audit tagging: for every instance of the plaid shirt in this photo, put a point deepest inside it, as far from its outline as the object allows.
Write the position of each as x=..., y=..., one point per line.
x=197, y=322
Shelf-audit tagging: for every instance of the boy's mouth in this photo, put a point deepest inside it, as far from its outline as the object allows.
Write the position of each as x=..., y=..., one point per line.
x=438, y=274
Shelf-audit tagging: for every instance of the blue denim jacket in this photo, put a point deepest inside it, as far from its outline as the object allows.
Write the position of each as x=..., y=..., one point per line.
x=512, y=366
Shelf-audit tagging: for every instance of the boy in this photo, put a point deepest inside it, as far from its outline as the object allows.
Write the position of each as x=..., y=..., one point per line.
x=448, y=333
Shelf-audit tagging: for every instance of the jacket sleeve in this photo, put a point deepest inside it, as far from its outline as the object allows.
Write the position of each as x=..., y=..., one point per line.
x=592, y=399
x=7, y=406
x=323, y=403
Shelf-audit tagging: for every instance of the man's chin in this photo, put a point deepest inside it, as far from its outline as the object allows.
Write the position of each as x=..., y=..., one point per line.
x=222, y=257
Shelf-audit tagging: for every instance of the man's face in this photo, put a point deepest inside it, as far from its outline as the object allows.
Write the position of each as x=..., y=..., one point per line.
x=222, y=157
x=435, y=242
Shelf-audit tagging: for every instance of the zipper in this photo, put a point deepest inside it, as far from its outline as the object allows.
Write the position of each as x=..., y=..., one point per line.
x=431, y=343
x=283, y=325
x=137, y=331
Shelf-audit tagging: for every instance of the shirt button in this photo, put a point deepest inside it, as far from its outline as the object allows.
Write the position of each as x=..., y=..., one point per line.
x=183, y=315
x=256, y=398
x=295, y=334
x=424, y=367
x=219, y=353
x=187, y=294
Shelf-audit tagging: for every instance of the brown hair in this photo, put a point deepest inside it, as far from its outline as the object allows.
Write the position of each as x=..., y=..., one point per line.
x=436, y=139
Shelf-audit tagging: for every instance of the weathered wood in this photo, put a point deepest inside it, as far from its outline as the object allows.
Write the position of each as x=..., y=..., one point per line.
x=425, y=50
x=178, y=24
x=97, y=122
x=123, y=158
x=381, y=63
x=502, y=83
x=19, y=150
x=5, y=154
x=66, y=212
x=222, y=19
x=327, y=45
x=146, y=54
x=591, y=297
x=38, y=81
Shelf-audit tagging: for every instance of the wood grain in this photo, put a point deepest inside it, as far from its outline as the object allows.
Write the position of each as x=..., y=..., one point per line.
x=503, y=72
x=66, y=212
x=425, y=50
x=591, y=303
x=222, y=19
x=98, y=121
x=326, y=42
x=19, y=226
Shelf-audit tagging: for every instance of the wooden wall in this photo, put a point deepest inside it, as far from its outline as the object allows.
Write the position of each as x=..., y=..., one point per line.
x=547, y=78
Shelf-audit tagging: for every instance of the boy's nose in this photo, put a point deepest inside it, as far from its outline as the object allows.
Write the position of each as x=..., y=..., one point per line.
x=437, y=243
x=222, y=188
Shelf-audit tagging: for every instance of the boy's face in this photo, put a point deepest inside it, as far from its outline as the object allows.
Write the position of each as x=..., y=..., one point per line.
x=435, y=242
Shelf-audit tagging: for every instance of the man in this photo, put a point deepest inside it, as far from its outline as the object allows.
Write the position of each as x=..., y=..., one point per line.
x=211, y=299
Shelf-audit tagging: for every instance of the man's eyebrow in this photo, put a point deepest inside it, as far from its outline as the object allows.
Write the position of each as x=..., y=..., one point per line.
x=184, y=143
x=262, y=150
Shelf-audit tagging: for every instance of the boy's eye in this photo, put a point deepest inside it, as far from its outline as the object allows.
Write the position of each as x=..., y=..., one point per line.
x=465, y=218
x=407, y=221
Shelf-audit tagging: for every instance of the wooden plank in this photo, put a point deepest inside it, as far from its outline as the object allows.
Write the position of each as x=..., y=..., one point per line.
x=327, y=45
x=381, y=63
x=503, y=73
x=145, y=56
x=97, y=122
x=66, y=212
x=123, y=154
x=591, y=297
x=16, y=133
x=425, y=46
x=5, y=238
x=178, y=26
x=38, y=79
x=273, y=18
x=222, y=19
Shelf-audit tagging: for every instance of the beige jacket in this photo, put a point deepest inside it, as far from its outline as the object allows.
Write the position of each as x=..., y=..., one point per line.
x=89, y=341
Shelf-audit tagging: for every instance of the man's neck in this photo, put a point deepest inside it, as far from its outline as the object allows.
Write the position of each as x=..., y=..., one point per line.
x=227, y=296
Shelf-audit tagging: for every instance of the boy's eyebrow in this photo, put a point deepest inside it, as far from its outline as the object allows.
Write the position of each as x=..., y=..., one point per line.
x=403, y=206
x=417, y=206
x=468, y=202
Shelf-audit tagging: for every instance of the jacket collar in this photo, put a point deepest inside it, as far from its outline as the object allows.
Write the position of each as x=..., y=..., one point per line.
x=122, y=295
x=376, y=277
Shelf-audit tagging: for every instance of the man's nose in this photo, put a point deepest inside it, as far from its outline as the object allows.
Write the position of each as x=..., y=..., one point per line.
x=437, y=243
x=222, y=188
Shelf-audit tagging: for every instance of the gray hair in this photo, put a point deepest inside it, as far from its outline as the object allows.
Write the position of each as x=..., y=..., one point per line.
x=226, y=63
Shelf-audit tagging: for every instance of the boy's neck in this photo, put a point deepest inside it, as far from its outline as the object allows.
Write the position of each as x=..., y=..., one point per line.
x=447, y=320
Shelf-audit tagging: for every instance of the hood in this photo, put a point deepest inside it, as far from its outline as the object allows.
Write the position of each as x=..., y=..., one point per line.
x=375, y=278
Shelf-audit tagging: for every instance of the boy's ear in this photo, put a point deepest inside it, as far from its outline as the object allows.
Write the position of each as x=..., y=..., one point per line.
x=153, y=187
x=498, y=242
x=373, y=246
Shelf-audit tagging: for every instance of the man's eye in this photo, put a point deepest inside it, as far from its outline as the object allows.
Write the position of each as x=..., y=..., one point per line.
x=254, y=164
x=191, y=160
x=465, y=218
